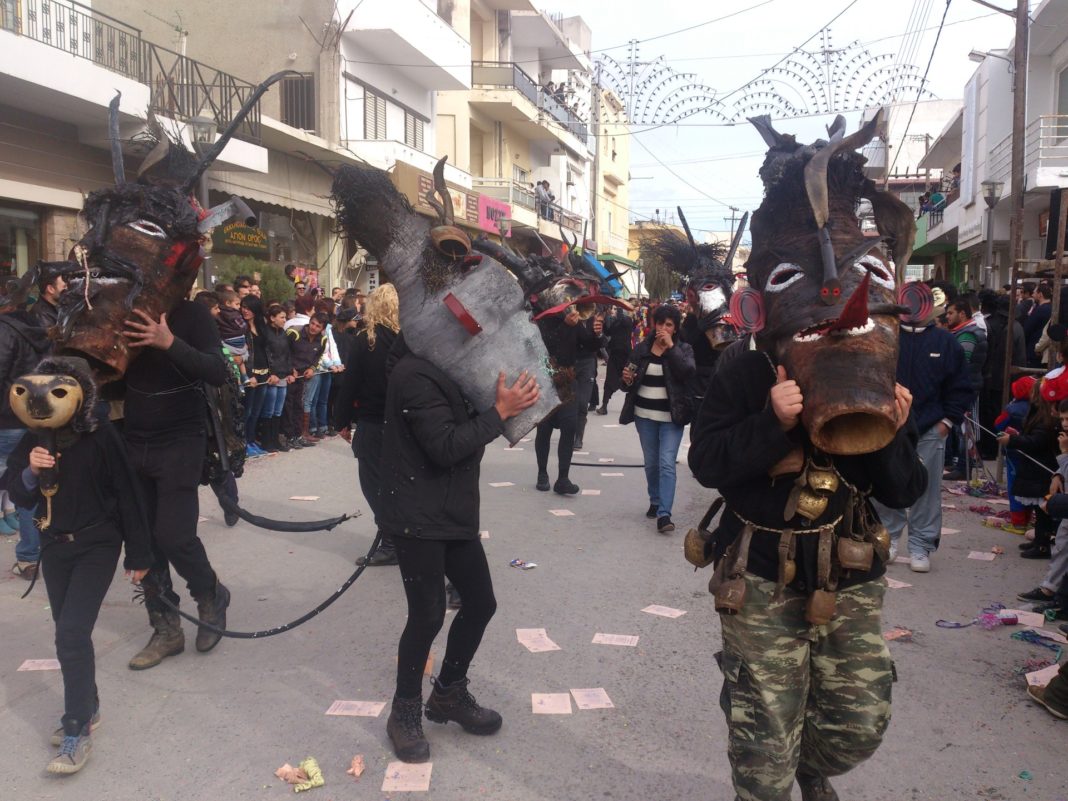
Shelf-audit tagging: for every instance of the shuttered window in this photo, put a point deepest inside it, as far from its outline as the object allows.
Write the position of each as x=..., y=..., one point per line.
x=413, y=131
x=374, y=115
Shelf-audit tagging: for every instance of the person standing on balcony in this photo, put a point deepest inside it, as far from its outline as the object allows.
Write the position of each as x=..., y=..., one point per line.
x=549, y=203
x=541, y=194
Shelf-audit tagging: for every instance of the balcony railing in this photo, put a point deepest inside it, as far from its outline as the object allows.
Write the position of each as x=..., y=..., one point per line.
x=1045, y=145
x=507, y=75
x=518, y=195
x=181, y=87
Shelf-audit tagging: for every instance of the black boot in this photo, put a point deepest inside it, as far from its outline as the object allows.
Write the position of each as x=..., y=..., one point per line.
x=543, y=481
x=565, y=486
x=815, y=788
x=211, y=608
x=456, y=703
x=263, y=436
x=385, y=554
x=168, y=639
x=580, y=430
x=276, y=435
x=405, y=730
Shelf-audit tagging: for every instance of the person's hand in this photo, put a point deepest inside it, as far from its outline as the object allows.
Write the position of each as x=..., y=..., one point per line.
x=272, y=380
x=136, y=576
x=598, y=325
x=628, y=376
x=786, y=400
x=1062, y=441
x=1056, y=486
x=252, y=382
x=902, y=404
x=346, y=434
x=514, y=399
x=1003, y=439
x=41, y=459
x=291, y=378
x=572, y=318
x=148, y=333
x=662, y=342
x=943, y=430
x=308, y=373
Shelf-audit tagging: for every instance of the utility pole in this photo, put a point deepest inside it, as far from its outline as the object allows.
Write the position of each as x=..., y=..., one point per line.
x=732, y=219
x=1019, y=118
x=595, y=123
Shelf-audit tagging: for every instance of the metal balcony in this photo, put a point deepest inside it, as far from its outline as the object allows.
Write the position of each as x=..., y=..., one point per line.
x=1045, y=154
x=508, y=75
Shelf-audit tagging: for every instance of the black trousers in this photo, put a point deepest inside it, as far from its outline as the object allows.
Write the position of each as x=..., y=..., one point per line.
x=613, y=374
x=585, y=381
x=170, y=476
x=77, y=576
x=367, y=448
x=566, y=419
x=424, y=566
x=293, y=410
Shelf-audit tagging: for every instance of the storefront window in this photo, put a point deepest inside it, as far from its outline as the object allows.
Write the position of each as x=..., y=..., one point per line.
x=19, y=241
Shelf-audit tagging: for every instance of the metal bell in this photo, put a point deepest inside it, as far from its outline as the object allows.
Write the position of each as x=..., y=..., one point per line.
x=854, y=554
x=810, y=505
x=450, y=240
x=789, y=571
x=730, y=596
x=820, y=608
x=823, y=480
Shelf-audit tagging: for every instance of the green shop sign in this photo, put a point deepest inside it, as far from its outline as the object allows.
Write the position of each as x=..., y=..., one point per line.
x=238, y=238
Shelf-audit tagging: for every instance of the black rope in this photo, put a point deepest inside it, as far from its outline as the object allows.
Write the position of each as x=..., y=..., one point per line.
x=257, y=635
x=604, y=464
x=294, y=526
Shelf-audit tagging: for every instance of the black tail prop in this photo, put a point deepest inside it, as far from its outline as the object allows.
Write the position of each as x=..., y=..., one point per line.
x=259, y=635
x=296, y=526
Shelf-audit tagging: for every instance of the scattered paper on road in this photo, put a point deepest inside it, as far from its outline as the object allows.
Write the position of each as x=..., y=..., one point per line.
x=591, y=492
x=611, y=425
x=202, y=519
x=303, y=497
x=562, y=512
x=946, y=531
x=902, y=560
x=512, y=448
x=894, y=584
x=593, y=698
x=550, y=703
x=612, y=475
x=581, y=453
x=356, y=768
x=997, y=501
x=535, y=640
x=663, y=611
x=360, y=709
x=897, y=633
x=404, y=777
x=615, y=639
x=1040, y=678
x=499, y=484
x=606, y=459
x=1036, y=619
x=40, y=664
x=982, y=556
x=949, y=506
x=483, y=535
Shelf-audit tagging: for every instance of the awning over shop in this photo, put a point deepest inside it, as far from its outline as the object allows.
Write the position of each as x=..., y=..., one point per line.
x=607, y=276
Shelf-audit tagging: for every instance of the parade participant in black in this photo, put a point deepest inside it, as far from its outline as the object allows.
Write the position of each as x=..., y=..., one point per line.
x=89, y=505
x=618, y=327
x=433, y=445
x=798, y=431
x=590, y=342
x=50, y=285
x=362, y=400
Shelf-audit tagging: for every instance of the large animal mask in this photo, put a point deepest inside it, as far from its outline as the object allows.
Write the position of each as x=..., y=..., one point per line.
x=460, y=310
x=828, y=291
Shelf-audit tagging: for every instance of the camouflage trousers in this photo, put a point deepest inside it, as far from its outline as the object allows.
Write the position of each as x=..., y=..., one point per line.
x=802, y=697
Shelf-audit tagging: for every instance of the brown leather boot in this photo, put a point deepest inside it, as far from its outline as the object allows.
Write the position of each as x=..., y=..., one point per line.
x=306, y=431
x=456, y=703
x=815, y=788
x=405, y=730
x=211, y=608
x=168, y=639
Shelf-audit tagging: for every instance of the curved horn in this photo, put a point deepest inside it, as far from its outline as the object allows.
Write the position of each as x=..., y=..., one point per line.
x=816, y=169
x=729, y=260
x=686, y=227
x=117, y=165
x=214, y=151
x=444, y=208
x=571, y=243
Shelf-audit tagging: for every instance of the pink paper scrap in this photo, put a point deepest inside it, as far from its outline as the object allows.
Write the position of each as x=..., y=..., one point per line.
x=562, y=512
x=40, y=664
x=483, y=535
x=615, y=639
x=202, y=519
x=404, y=777
x=1040, y=678
x=499, y=484
x=550, y=703
x=612, y=475
x=591, y=492
x=950, y=531
x=611, y=425
x=535, y=640
x=592, y=698
x=663, y=611
x=303, y=497
x=894, y=584
x=360, y=709
x=606, y=459
x=982, y=556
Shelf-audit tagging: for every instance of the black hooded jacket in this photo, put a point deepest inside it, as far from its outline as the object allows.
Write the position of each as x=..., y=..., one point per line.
x=23, y=343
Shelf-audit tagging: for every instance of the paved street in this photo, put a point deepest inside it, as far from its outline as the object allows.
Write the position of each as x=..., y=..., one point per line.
x=216, y=726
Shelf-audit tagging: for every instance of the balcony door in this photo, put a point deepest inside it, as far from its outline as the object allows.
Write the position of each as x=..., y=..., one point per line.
x=1060, y=130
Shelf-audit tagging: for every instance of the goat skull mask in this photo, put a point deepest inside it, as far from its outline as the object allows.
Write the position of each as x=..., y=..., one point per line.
x=828, y=292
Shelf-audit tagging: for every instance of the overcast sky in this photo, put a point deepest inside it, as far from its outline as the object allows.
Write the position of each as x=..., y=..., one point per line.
x=722, y=161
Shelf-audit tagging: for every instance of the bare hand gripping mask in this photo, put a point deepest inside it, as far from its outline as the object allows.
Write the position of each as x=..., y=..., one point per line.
x=828, y=290
x=460, y=310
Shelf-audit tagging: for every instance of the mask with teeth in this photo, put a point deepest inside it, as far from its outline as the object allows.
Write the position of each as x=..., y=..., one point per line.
x=828, y=289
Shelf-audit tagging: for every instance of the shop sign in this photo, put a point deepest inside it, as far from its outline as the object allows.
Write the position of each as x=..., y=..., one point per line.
x=971, y=231
x=415, y=184
x=238, y=238
x=490, y=212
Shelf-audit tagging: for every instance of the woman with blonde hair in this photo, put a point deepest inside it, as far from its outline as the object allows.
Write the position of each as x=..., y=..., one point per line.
x=361, y=401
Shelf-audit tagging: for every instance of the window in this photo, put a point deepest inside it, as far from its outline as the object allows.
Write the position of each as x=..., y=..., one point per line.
x=1062, y=103
x=374, y=115
x=413, y=131
x=519, y=175
x=298, y=101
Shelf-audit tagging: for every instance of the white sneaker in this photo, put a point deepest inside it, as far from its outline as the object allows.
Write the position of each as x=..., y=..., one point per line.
x=919, y=563
x=893, y=553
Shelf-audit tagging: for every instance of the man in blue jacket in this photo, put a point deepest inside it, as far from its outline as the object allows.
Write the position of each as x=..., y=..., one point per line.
x=932, y=366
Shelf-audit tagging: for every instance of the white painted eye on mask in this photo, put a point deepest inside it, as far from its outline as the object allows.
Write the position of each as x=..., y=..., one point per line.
x=712, y=299
x=881, y=274
x=782, y=276
x=148, y=228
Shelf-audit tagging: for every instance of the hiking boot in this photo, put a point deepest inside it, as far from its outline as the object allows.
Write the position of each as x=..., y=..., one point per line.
x=1036, y=552
x=167, y=640
x=24, y=570
x=664, y=524
x=565, y=486
x=73, y=754
x=383, y=556
x=543, y=482
x=230, y=518
x=1036, y=596
x=651, y=511
x=211, y=608
x=58, y=735
x=456, y=703
x=815, y=788
x=405, y=730
x=602, y=409
x=1038, y=694
x=306, y=433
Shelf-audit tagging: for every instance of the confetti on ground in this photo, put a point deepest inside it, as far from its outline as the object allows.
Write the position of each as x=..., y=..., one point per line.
x=894, y=584
x=998, y=501
x=898, y=633
x=357, y=767
x=40, y=664
x=946, y=531
x=499, y=484
x=525, y=439
x=592, y=698
x=612, y=475
x=290, y=774
x=982, y=556
x=550, y=703
x=1030, y=619
x=663, y=611
x=1040, y=678
x=562, y=512
x=360, y=709
x=303, y=497
x=997, y=549
x=591, y=492
x=483, y=535
x=403, y=777
x=581, y=453
x=949, y=506
x=535, y=640
x=630, y=640
x=523, y=565
x=512, y=448
x=611, y=425
x=606, y=459
x=902, y=560
x=202, y=519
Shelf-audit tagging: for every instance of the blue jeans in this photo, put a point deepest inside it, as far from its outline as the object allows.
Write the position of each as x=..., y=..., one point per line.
x=660, y=447
x=320, y=413
x=254, y=398
x=274, y=400
x=924, y=517
x=28, y=548
x=311, y=389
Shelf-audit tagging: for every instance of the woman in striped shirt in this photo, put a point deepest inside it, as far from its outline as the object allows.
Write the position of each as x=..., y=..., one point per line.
x=659, y=402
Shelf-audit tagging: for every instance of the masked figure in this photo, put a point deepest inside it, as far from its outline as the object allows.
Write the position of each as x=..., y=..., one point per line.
x=800, y=429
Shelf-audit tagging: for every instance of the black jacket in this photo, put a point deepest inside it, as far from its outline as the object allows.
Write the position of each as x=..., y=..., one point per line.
x=1039, y=441
x=279, y=356
x=932, y=366
x=433, y=443
x=45, y=313
x=618, y=328
x=23, y=343
x=362, y=395
x=679, y=372
x=704, y=355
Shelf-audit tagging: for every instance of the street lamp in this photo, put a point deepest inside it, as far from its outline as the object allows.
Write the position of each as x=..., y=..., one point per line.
x=979, y=56
x=203, y=131
x=991, y=195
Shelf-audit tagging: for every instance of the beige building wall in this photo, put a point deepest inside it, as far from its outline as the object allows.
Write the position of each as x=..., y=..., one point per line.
x=612, y=184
